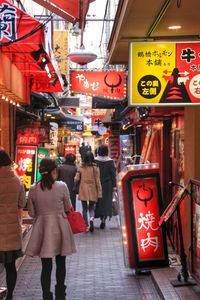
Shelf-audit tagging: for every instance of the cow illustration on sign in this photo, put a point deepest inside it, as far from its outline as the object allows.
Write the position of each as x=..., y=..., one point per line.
x=144, y=194
x=112, y=86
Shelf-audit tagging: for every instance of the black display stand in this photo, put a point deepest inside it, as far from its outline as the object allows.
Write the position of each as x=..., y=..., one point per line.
x=183, y=276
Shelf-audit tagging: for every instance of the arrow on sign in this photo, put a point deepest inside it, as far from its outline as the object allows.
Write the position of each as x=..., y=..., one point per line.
x=185, y=73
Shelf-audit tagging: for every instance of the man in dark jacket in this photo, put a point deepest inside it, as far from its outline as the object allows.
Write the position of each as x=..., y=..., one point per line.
x=84, y=149
x=66, y=173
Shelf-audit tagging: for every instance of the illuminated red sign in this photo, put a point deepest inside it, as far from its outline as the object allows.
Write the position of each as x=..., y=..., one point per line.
x=26, y=164
x=27, y=138
x=101, y=84
x=69, y=149
x=146, y=216
x=114, y=147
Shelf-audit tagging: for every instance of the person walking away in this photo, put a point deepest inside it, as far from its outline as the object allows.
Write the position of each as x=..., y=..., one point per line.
x=51, y=236
x=108, y=182
x=66, y=173
x=12, y=201
x=84, y=149
x=90, y=187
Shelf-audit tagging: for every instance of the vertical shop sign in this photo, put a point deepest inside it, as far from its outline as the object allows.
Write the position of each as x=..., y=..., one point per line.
x=53, y=136
x=42, y=153
x=114, y=147
x=164, y=73
x=146, y=216
x=26, y=162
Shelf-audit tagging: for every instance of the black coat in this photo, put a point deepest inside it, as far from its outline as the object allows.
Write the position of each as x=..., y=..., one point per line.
x=67, y=173
x=108, y=182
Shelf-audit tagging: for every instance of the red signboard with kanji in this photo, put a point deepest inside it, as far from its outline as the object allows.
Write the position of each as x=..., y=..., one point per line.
x=144, y=240
x=69, y=149
x=99, y=83
x=146, y=215
x=26, y=164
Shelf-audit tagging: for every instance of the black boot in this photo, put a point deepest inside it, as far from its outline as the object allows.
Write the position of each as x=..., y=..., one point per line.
x=103, y=223
x=48, y=296
x=60, y=292
x=9, y=297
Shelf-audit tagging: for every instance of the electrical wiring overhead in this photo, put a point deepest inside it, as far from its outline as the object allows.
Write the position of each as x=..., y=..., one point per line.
x=106, y=9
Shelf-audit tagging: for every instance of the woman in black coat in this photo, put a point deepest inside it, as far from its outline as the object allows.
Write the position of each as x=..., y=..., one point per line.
x=108, y=182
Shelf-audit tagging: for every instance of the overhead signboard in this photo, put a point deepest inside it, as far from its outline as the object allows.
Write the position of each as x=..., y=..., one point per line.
x=164, y=73
x=75, y=123
x=99, y=83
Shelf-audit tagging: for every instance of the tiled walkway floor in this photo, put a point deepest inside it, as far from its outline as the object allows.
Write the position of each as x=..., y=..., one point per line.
x=95, y=272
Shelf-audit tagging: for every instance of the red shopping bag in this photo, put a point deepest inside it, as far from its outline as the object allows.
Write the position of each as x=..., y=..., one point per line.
x=76, y=221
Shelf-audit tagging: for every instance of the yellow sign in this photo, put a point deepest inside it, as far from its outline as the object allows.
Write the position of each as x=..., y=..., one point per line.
x=61, y=49
x=150, y=64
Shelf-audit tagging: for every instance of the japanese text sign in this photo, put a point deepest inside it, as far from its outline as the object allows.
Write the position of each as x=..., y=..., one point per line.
x=26, y=162
x=69, y=149
x=164, y=73
x=75, y=123
x=146, y=215
x=27, y=138
x=33, y=135
x=96, y=83
x=15, y=24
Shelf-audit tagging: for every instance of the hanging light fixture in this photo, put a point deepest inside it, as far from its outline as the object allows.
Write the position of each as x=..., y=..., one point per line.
x=82, y=56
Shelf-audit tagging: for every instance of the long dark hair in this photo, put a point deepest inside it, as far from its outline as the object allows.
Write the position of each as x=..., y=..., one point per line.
x=5, y=159
x=88, y=159
x=70, y=159
x=103, y=150
x=47, y=165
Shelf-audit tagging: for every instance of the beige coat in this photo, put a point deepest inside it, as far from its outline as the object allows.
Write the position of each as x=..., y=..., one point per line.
x=90, y=185
x=51, y=234
x=12, y=198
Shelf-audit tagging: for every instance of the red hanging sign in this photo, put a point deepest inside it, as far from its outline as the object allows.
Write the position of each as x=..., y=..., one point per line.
x=101, y=84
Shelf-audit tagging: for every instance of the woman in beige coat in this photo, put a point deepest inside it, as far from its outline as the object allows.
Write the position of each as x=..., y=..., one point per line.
x=90, y=187
x=12, y=200
x=48, y=202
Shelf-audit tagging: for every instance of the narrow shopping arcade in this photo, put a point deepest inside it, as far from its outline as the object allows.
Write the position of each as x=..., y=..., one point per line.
x=99, y=117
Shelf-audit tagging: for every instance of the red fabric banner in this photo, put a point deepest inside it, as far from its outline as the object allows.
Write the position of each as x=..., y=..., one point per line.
x=22, y=40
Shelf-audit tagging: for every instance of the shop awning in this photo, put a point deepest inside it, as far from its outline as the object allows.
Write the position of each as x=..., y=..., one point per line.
x=68, y=10
x=71, y=10
x=22, y=39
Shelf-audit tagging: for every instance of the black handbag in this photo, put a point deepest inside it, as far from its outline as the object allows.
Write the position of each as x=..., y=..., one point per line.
x=76, y=187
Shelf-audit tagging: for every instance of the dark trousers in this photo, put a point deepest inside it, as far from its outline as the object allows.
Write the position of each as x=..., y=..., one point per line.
x=46, y=273
x=11, y=277
x=85, y=210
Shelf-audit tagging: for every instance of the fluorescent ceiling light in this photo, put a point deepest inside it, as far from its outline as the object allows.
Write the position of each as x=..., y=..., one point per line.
x=174, y=27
